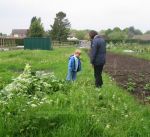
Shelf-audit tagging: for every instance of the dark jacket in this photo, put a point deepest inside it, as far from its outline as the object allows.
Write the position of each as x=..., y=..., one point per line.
x=98, y=51
x=72, y=64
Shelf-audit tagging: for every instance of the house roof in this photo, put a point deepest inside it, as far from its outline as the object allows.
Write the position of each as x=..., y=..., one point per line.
x=142, y=37
x=19, y=31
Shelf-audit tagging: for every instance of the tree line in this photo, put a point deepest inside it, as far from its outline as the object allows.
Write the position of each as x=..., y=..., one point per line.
x=61, y=30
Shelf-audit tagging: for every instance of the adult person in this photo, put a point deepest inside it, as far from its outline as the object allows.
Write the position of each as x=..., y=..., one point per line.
x=97, y=56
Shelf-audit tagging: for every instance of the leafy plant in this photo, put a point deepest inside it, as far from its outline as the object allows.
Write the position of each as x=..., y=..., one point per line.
x=147, y=87
x=34, y=83
x=131, y=85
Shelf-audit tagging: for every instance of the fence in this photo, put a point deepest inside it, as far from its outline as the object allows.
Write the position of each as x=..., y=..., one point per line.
x=7, y=42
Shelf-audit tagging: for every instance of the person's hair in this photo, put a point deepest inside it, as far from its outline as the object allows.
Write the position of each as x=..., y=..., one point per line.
x=92, y=34
x=77, y=51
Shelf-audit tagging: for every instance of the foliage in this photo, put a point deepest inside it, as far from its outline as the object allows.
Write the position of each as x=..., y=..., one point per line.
x=131, y=85
x=132, y=31
x=147, y=32
x=36, y=28
x=28, y=91
x=33, y=19
x=61, y=27
x=121, y=34
x=147, y=87
x=79, y=110
x=19, y=42
x=117, y=35
x=80, y=34
x=33, y=83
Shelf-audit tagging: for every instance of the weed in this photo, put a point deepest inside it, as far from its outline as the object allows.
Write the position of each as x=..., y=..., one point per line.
x=131, y=85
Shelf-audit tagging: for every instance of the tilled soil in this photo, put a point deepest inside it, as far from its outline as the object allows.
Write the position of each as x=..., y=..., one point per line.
x=130, y=72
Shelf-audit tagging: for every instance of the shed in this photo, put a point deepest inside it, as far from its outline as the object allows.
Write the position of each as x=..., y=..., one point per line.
x=37, y=43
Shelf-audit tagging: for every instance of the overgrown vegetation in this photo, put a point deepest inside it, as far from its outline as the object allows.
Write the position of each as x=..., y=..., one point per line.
x=147, y=87
x=134, y=49
x=74, y=109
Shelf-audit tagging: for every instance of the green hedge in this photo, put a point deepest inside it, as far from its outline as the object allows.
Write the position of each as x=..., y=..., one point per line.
x=19, y=42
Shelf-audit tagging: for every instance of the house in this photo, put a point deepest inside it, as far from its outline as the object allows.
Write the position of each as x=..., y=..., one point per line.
x=19, y=33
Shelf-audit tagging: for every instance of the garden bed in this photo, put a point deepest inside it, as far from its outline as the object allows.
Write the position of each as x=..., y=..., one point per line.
x=131, y=73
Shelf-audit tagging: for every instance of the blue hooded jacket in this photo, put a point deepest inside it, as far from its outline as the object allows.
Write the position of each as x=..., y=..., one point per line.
x=72, y=64
x=98, y=51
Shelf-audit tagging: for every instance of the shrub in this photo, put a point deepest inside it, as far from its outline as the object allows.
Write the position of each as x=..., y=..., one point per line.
x=19, y=42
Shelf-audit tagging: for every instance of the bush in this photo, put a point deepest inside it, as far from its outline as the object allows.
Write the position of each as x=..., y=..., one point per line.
x=19, y=42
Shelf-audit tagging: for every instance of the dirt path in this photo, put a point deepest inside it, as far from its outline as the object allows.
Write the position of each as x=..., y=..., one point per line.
x=130, y=72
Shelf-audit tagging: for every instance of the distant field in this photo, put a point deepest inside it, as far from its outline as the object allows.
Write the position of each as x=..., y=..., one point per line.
x=140, y=51
x=79, y=110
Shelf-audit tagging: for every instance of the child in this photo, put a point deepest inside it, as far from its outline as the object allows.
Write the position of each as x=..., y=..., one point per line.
x=74, y=66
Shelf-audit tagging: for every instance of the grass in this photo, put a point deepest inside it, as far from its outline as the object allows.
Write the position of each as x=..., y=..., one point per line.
x=140, y=51
x=81, y=111
x=13, y=62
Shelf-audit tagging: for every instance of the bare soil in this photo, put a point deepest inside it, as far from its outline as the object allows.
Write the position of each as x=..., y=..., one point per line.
x=125, y=69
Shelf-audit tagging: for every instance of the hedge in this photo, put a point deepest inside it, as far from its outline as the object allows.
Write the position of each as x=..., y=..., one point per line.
x=19, y=42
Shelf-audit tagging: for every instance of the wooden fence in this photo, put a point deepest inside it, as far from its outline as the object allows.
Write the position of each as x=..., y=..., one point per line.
x=7, y=42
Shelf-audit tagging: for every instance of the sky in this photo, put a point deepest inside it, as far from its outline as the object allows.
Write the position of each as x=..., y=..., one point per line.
x=83, y=14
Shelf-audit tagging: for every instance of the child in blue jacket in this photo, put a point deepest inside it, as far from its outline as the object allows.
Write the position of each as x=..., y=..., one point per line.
x=74, y=66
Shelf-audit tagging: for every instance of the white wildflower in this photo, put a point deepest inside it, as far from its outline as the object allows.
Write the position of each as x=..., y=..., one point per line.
x=107, y=126
x=8, y=113
x=33, y=105
x=41, y=102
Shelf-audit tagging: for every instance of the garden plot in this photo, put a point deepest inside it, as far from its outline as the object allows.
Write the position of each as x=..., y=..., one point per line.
x=131, y=73
x=40, y=103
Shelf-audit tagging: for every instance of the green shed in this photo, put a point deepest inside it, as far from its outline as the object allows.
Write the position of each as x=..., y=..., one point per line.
x=37, y=43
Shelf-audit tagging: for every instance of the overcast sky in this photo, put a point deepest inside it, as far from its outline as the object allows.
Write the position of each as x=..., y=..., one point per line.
x=83, y=14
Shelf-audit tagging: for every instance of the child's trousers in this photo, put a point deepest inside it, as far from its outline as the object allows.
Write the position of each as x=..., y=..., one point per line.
x=71, y=76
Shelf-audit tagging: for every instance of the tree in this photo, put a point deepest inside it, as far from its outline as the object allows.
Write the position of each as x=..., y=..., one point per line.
x=117, y=35
x=80, y=34
x=132, y=31
x=117, y=29
x=61, y=27
x=36, y=28
x=33, y=19
x=102, y=32
x=138, y=32
x=147, y=32
x=108, y=31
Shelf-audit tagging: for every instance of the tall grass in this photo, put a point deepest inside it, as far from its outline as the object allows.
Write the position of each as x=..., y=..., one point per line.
x=81, y=111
